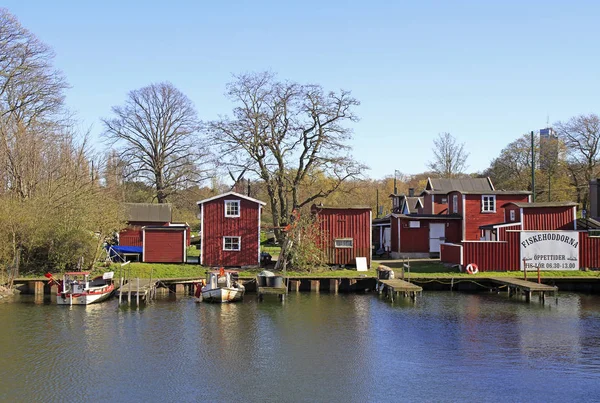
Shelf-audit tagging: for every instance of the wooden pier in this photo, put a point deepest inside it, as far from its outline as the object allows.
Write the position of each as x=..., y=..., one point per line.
x=139, y=289
x=396, y=287
x=279, y=291
x=517, y=286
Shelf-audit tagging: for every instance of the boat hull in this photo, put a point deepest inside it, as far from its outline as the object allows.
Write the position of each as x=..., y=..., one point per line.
x=85, y=298
x=224, y=294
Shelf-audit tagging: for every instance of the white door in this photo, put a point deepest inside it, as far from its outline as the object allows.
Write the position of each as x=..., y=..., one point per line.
x=437, y=235
x=387, y=239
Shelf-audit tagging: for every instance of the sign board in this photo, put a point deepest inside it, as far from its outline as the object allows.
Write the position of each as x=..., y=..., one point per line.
x=550, y=250
x=361, y=264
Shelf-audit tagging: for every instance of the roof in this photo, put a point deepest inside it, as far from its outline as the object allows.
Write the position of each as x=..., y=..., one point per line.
x=316, y=206
x=544, y=204
x=241, y=196
x=463, y=185
x=429, y=216
x=413, y=202
x=587, y=223
x=148, y=212
x=382, y=220
x=502, y=224
x=498, y=192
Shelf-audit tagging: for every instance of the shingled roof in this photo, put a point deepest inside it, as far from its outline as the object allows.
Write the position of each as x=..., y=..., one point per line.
x=148, y=212
x=473, y=185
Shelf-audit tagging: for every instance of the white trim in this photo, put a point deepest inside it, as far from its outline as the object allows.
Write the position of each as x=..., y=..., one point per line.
x=454, y=204
x=335, y=245
x=259, y=213
x=185, y=245
x=143, y=245
x=575, y=218
x=432, y=204
x=512, y=215
x=231, y=194
x=491, y=184
x=528, y=198
x=239, y=238
x=510, y=224
x=201, y=234
x=239, y=208
x=371, y=239
x=483, y=196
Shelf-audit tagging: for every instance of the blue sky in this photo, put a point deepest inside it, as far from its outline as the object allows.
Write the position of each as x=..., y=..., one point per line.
x=487, y=72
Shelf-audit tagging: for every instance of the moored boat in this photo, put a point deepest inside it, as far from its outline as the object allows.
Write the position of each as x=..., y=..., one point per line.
x=76, y=288
x=222, y=286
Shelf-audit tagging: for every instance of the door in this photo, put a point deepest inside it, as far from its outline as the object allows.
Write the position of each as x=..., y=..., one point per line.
x=387, y=239
x=437, y=235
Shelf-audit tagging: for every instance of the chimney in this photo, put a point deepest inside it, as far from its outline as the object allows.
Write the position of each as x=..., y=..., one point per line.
x=411, y=192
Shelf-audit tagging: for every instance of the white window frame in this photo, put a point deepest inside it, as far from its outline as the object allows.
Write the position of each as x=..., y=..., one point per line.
x=414, y=224
x=491, y=200
x=239, y=243
x=594, y=233
x=232, y=202
x=512, y=215
x=455, y=204
x=344, y=243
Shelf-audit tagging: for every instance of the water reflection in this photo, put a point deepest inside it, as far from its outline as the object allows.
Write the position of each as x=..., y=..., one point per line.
x=315, y=347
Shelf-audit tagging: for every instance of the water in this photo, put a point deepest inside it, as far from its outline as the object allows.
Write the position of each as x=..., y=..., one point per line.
x=357, y=348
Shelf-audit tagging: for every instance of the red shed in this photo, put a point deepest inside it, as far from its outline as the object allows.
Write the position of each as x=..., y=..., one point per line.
x=165, y=244
x=230, y=230
x=140, y=215
x=346, y=233
x=544, y=216
x=419, y=235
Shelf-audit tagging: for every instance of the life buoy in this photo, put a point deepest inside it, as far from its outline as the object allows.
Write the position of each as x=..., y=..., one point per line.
x=472, y=268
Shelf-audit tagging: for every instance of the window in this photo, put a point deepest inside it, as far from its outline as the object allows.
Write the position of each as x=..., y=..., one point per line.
x=444, y=200
x=594, y=233
x=512, y=215
x=344, y=243
x=414, y=224
x=488, y=204
x=231, y=243
x=232, y=208
x=455, y=203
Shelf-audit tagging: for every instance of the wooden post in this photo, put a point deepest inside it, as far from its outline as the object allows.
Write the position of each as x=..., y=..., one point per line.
x=121, y=290
x=333, y=285
x=150, y=286
x=525, y=269
x=539, y=278
x=295, y=285
x=137, y=294
x=179, y=289
x=314, y=285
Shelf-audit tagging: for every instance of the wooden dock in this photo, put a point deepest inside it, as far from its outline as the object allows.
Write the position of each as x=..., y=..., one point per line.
x=279, y=291
x=396, y=287
x=137, y=290
x=518, y=286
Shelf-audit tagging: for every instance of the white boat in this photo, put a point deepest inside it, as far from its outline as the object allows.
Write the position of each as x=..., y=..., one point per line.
x=222, y=286
x=76, y=288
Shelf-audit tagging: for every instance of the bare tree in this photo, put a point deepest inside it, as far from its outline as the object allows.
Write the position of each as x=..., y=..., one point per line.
x=157, y=132
x=449, y=157
x=31, y=106
x=581, y=135
x=288, y=134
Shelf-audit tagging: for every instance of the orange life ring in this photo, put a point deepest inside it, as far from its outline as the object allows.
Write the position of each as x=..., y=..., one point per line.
x=472, y=268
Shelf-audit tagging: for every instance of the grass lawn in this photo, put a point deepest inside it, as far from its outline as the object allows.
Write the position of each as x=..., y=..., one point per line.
x=435, y=269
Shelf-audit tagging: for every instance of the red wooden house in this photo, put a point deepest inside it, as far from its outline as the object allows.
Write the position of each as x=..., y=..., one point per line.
x=453, y=210
x=139, y=215
x=531, y=235
x=165, y=244
x=346, y=233
x=230, y=230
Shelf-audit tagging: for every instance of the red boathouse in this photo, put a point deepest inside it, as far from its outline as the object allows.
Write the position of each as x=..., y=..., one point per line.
x=230, y=230
x=346, y=233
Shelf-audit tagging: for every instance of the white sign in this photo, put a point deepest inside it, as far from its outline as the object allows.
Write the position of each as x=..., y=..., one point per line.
x=550, y=250
x=361, y=264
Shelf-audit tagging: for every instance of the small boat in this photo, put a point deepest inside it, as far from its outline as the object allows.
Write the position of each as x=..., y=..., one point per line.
x=222, y=286
x=76, y=288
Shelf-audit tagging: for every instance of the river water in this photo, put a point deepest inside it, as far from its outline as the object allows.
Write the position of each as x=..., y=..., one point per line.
x=314, y=347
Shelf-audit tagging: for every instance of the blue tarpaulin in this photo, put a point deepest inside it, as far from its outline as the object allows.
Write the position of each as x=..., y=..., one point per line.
x=118, y=250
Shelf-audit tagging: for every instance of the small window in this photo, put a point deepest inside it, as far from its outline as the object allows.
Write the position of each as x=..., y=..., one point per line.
x=444, y=200
x=414, y=224
x=232, y=208
x=344, y=243
x=231, y=243
x=594, y=233
x=488, y=204
x=512, y=215
x=455, y=203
